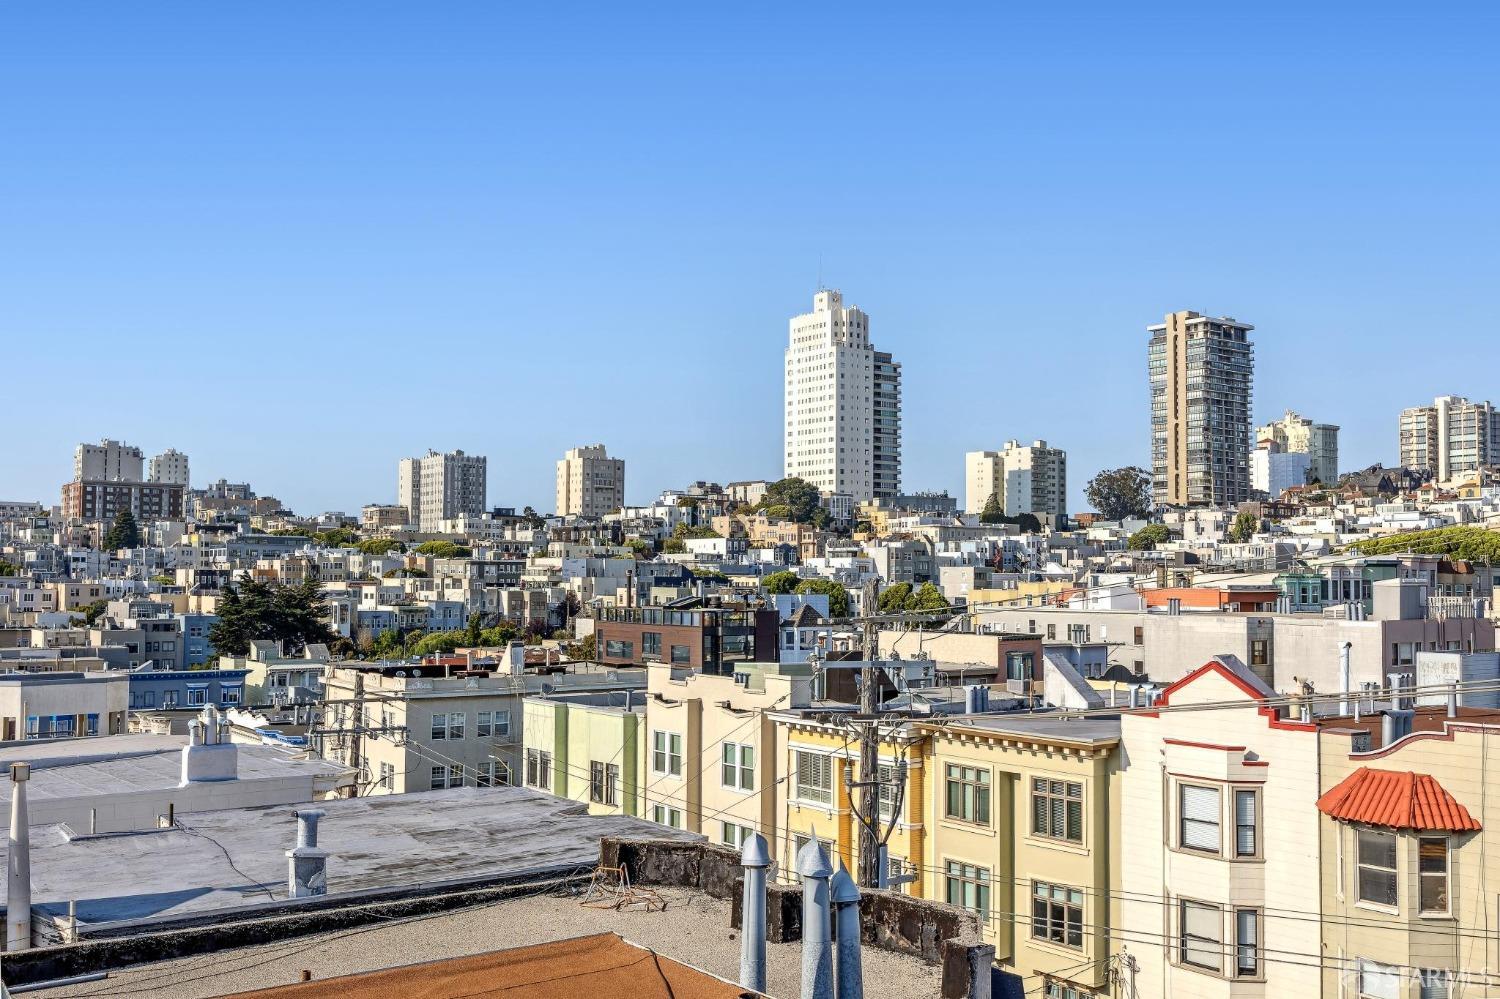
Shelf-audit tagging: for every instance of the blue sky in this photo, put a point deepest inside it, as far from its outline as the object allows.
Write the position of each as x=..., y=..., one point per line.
x=299, y=241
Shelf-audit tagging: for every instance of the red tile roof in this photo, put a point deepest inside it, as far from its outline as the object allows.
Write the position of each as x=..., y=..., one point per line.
x=1398, y=799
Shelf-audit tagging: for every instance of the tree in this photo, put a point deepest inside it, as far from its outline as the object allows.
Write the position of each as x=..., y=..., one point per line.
x=1148, y=537
x=292, y=615
x=1244, y=527
x=927, y=598
x=673, y=546
x=1120, y=493
x=94, y=611
x=838, y=597
x=162, y=579
x=474, y=633
x=9, y=568
x=337, y=537
x=781, y=582
x=380, y=546
x=893, y=598
x=992, y=512
x=404, y=572
x=501, y=634
x=532, y=519
x=799, y=496
x=685, y=532
x=583, y=650
x=443, y=549
x=124, y=533
x=640, y=548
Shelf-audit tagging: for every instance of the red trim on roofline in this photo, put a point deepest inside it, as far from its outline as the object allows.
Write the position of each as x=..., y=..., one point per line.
x=1213, y=665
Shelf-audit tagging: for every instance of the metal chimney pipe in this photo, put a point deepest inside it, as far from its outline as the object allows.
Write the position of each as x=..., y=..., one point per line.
x=1344, y=677
x=755, y=858
x=1134, y=696
x=18, y=864
x=849, y=975
x=817, y=948
x=1452, y=700
x=307, y=864
x=1387, y=730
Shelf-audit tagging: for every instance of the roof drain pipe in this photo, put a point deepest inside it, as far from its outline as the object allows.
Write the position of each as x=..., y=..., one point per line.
x=755, y=858
x=817, y=947
x=849, y=975
x=18, y=864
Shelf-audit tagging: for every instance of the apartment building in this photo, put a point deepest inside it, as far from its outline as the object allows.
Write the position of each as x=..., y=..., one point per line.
x=1023, y=479
x=63, y=704
x=171, y=466
x=1219, y=839
x=1452, y=437
x=1023, y=831
x=411, y=727
x=1200, y=371
x=88, y=499
x=841, y=428
x=1273, y=470
x=589, y=482
x=438, y=486
x=1296, y=434
x=711, y=639
x=590, y=747
x=711, y=748
x=108, y=461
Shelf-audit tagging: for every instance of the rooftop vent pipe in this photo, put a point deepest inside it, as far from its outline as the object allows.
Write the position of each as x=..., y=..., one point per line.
x=849, y=973
x=307, y=865
x=817, y=947
x=18, y=864
x=755, y=858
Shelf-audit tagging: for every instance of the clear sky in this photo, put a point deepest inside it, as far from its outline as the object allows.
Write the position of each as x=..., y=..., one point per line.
x=301, y=240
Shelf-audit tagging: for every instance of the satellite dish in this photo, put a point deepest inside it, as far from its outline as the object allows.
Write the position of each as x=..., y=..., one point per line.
x=401, y=672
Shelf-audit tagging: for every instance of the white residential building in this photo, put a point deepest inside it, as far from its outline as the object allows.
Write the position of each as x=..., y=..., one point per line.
x=1452, y=437
x=589, y=482
x=438, y=486
x=1298, y=435
x=171, y=467
x=843, y=403
x=107, y=461
x=1273, y=470
x=1023, y=479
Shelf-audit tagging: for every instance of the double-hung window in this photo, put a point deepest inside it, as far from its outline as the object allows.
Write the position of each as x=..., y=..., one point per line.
x=1201, y=935
x=456, y=722
x=1375, y=860
x=1432, y=874
x=439, y=727
x=1057, y=914
x=1057, y=809
x=737, y=766
x=968, y=886
x=1377, y=981
x=666, y=753
x=1246, y=814
x=482, y=724
x=596, y=781
x=968, y=794
x=1198, y=818
x=1247, y=943
x=814, y=776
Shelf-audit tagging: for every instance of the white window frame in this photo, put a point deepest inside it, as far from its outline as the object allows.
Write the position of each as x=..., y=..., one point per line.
x=1360, y=865
x=666, y=753
x=737, y=766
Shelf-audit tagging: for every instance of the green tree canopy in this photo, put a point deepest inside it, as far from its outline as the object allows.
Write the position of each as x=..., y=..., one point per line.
x=9, y=568
x=893, y=598
x=94, y=611
x=123, y=533
x=799, y=496
x=927, y=597
x=337, y=537
x=781, y=582
x=1148, y=537
x=685, y=532
x=1120, y=493
x=252, y=610
x=992, y=512
x=640, y=548
x=443, y=549
x=1244, y=527
x=380, y=546
x=838, y=597
x=1470, y=544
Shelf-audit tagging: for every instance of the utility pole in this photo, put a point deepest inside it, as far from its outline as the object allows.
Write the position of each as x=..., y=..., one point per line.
x=869, y=744
x=359, y=732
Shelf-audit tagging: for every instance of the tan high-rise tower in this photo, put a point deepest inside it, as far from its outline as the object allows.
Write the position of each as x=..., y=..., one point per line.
x=1201, y=372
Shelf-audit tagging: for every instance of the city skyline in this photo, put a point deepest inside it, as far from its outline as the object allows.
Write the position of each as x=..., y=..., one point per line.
x=234, y=240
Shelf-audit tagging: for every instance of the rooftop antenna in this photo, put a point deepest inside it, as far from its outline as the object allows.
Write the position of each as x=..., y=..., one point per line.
x=820, y=272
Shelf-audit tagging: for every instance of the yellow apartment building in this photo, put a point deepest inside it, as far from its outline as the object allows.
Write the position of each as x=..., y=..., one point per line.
x=1022, y=821
x=817, y=756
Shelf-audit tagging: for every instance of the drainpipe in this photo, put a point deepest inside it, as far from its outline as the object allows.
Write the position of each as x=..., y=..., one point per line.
x=18, y=864
x=1344, y=678
x=849, y=977
x=755, y=858
x=307, y=865
x=817, y=948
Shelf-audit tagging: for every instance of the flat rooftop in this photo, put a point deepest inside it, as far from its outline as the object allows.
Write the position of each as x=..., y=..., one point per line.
x=1092, y=729
x=694, y=930
x=117, y=764
x=216, y=862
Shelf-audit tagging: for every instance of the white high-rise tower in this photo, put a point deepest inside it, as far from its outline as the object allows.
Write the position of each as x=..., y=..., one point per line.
x=832, y=391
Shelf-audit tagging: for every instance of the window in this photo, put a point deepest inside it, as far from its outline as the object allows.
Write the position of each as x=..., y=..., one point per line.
x=1198, y=818
x=1432, y=874
x=731, y=834
x=493, y=774
x=388, y=776
x=500, y=724
x=1057, y=914
x=814, y=777
x=596, y=781
x=1247, y=943
x=444, y=777
x=666, y=753
x=969, y=886
x=482, y=724
x=1377, y=981
x=1200, y=935
x=615, y=648
x=91, y=726
x=1260, y=652
x=197, y=696
x=1246, y=808
x=456, y=722
x=611, y=783
x=1051, y=632
x=539, y=769
x=888, y=791
x=1434, y=984
x=439, y=727
x=682, y=654
x=1057, y=809
x=1375, y=859
x=651, y=643
x=230, y=694
x=968, y=794
x=662, y=815
x=737, y=768
x=1140, y=635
